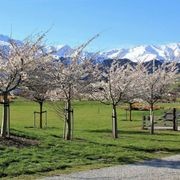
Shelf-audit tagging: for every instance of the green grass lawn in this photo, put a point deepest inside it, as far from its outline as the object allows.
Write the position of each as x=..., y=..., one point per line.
x=92, y=147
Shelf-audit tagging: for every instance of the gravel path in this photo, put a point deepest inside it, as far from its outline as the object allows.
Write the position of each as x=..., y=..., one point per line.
x=161, y=169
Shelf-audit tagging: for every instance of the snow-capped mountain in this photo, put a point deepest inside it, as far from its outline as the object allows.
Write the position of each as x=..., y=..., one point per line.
x=142, y=53
x=4, y=40
x=60, y=50
x=168, y=52
x=146, y=53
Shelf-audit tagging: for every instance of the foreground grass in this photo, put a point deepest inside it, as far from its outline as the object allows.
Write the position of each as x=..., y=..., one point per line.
x=92, y=147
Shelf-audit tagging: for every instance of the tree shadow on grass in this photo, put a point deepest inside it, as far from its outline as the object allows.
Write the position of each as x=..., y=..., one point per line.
x=165, y=140
x=147, y=132
x=119, y=131
x=44, y=128
x=56, y=136
x=153, y=150
x=141, y=134
x=130, y=132
x=134, y=132
x=99, y=131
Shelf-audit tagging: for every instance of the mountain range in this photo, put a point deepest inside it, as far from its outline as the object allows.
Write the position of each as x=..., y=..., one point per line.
x=143, y=53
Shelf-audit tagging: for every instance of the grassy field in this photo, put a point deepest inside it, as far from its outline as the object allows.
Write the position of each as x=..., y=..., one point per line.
x=92, y=147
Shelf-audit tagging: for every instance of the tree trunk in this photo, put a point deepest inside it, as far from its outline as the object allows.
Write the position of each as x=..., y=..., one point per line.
x=68, y=127
x=40, y=114
x=151, y=119
x=6, y=118
x=130, y=111
x=114, y=123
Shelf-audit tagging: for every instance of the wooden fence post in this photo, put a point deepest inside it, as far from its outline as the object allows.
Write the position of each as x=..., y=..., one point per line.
x=175, y=127
x=143, y=122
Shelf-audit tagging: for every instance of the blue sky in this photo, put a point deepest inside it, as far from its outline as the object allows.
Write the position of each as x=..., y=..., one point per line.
x=122, y=23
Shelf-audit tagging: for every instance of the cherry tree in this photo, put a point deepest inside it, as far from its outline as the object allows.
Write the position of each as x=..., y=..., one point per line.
x=153, y=86
x=15, y=59
x=130, y=98
x=111, y=87
x=37, y=85
x=70, y=77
